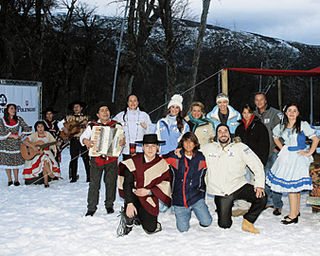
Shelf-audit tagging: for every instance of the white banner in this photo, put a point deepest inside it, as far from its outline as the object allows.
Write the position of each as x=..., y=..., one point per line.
x=27, y=97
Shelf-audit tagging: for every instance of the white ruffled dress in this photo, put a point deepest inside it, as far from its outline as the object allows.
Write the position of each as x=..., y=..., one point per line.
x=290, y=172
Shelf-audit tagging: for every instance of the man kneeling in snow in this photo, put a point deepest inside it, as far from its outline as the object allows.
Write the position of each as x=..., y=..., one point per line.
x=143, y=180
x=226, y=163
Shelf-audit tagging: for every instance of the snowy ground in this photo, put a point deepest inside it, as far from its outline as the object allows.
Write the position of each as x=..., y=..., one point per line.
x=38, y=221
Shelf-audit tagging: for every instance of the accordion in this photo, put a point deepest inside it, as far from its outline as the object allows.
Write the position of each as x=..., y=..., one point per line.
x=106, y=141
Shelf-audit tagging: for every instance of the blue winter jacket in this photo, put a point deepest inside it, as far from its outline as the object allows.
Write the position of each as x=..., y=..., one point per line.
x=233, y=118
x=170, y=134
x=188, y=184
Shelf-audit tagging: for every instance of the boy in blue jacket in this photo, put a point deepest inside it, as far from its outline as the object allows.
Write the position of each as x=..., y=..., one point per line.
x=188, y=188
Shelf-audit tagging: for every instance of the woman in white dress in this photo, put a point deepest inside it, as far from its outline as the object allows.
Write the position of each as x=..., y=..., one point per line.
x=44, y=164
x=290, y=172
x=136, y=123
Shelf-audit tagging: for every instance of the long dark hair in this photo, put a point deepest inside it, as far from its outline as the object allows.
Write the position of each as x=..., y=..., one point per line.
x=297, y=125
x=190, y=136
x=179, y=119
x=125, y=110
x=6, y=113
x=247, y=106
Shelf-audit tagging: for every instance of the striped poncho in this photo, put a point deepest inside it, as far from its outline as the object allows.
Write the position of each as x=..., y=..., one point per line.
x=154, y=175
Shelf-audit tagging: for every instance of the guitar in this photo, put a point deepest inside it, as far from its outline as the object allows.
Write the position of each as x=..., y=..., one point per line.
x=72, y=128
x=29, y=153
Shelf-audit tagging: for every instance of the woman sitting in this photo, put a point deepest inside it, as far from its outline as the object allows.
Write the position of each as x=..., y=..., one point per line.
x=43, y=166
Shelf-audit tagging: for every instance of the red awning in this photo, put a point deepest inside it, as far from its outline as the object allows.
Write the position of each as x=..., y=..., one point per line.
x=277, y=72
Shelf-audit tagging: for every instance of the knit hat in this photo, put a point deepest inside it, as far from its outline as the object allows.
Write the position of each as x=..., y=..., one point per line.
x=220, y=125
x=222, y=96
x=176, y=100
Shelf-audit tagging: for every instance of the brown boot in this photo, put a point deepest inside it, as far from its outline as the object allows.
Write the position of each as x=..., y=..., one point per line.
x=239, y=212
x=249, y=227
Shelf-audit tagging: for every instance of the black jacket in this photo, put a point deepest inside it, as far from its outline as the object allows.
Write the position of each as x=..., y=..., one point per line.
x=256, y=136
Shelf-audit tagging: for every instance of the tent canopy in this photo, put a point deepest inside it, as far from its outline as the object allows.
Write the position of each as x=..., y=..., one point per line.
x=315, y=72
x=277, y=72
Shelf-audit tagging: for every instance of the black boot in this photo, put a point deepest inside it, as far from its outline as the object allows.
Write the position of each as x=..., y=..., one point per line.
x=90, y=213
x=74, y=176
x=110, y=210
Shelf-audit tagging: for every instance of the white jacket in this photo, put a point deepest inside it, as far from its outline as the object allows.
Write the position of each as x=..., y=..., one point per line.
x=227, y=167
x=132, y=127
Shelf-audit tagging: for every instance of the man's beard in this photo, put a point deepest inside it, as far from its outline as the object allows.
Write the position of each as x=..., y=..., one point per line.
x=224, y=140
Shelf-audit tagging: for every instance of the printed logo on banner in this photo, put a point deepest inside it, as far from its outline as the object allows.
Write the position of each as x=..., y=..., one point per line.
x=25, y=97
x=3, y=100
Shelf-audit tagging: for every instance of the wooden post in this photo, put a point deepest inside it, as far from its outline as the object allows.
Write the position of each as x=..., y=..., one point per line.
x=279, y=94
x=224, y=80
x=219, y=82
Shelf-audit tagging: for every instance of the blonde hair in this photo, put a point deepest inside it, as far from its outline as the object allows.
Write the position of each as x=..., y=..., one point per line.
x=197, y=104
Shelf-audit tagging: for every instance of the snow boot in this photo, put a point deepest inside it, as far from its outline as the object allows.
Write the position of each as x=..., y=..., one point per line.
x=249, y=227
x=125, y=224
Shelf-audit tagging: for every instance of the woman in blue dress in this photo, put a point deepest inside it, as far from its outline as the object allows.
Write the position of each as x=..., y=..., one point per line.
x=290, y=172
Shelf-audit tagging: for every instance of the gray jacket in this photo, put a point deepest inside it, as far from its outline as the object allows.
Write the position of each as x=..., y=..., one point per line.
x=270, y=118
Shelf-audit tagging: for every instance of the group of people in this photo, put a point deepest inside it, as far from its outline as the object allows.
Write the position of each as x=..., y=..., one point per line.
x=40, y=148
x=254, y=156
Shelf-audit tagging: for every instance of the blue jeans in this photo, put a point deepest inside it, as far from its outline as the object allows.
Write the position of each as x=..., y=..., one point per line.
x=183, y=215
x=274, y=198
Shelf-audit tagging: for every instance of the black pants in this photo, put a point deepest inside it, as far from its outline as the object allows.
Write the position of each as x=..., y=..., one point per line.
x=126, y=157
x=75, y=150
x=224, y=205
x=110, y=173
x=148, y=221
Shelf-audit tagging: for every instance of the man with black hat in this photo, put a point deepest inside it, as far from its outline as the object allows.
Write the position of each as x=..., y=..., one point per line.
x=143, y=180
x=226, y=178
x=74, y=125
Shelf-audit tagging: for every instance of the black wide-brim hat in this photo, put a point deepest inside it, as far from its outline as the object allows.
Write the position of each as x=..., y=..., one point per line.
x=150, y=139
x=81, y=103
x=49, y=109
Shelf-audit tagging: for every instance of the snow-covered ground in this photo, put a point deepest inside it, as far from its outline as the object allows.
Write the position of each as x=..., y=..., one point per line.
x=39, y=221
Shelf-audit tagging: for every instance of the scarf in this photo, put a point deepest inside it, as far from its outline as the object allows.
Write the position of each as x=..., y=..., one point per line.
x=199, y=121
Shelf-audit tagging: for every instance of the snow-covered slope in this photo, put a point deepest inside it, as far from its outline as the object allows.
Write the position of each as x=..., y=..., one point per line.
x=37, y=221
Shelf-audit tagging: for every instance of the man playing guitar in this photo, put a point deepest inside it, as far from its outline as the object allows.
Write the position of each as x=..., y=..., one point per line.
x=72, y=127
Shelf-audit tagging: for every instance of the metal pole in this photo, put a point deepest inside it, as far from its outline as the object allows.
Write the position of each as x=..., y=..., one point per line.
x=115, y=76
x=311, y=101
